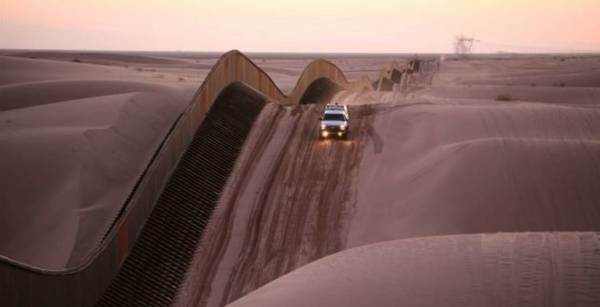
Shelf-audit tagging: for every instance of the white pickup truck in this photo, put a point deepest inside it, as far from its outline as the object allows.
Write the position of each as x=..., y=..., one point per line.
x=334, y=122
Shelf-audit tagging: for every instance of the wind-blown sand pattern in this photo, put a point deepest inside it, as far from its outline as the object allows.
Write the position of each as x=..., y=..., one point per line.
x=73, y=145
x=472, y=182
x=418, y=165
x=520, y=269
x=90, y=217
x=133, y=108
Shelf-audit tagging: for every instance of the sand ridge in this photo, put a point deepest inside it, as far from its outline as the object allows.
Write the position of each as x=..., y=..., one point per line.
x=441, y=158
x=86, y=122
x=74, y=139
x=533, y=269
x=304, y=223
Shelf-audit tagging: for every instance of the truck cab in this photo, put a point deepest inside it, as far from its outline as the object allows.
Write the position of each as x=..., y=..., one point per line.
x=335, y=121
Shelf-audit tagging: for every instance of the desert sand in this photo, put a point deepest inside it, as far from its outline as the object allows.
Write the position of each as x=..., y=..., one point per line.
x=407, y=211
x=75, y=137
x=78, y=128
x=447, y=157
x=518, y=269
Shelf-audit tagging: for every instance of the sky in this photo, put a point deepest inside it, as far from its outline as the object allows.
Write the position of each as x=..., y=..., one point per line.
x=370, y=26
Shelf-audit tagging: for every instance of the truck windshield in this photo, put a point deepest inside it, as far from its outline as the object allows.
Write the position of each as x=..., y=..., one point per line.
x=336, y=117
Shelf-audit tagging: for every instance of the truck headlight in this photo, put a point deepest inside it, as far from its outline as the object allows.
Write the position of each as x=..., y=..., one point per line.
x=323, y=126
x=343, y=127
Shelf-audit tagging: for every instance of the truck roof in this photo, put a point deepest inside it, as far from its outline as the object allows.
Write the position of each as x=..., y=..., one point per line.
x=336, y=109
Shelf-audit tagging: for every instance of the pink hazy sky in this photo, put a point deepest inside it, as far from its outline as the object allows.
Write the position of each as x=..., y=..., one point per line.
x=301, y=26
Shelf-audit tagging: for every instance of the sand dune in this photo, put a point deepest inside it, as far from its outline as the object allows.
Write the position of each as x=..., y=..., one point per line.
x=532, y=71
x=69, y=166
x=98, y=57
x=445, y=159
x=25, y=95
x=525, y=269
x=442, y=160
x=21, y=70
x=75, y=135
x=549, y=94
x=74, y=138
x=26, y=71
x=289, y=197
x=478, y=167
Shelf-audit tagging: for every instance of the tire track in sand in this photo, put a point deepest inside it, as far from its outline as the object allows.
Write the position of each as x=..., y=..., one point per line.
x=305, y=204
x=197, y=288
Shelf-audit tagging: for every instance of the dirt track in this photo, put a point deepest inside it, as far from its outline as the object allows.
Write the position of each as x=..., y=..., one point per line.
x=417, y=165
x=445, y=157
x=292, y=203
x=302, y=212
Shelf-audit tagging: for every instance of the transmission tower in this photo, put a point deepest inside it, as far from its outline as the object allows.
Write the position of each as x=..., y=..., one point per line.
x=463, y=45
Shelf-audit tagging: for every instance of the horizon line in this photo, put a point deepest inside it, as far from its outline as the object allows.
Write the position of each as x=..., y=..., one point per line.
x=500, y=52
